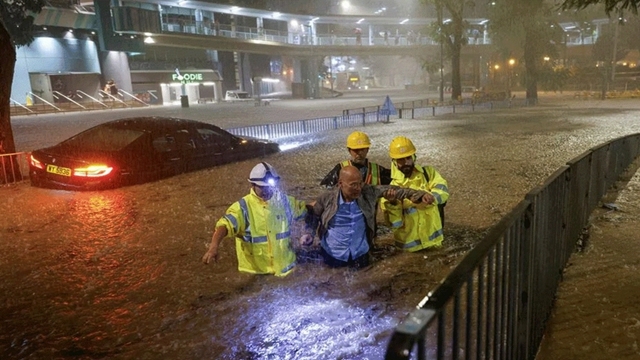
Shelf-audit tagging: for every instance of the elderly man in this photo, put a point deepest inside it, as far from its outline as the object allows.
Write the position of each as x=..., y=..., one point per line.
x=347, y=217
x=260, y=223
x=415, y=227
x=358, y=144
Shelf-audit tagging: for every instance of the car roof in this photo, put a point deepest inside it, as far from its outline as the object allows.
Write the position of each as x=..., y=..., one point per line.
x=150, y=123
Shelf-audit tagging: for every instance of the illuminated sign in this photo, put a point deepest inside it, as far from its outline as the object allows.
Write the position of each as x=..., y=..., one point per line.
x=353, y=79
x=187, y=78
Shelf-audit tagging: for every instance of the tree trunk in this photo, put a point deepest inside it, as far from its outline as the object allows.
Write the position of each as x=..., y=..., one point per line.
x=9, y=167
x=7, y=65
x=532, y=47
x=531, y=65
x=456, y=87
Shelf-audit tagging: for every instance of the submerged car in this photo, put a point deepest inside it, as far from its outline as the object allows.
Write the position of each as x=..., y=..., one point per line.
x=237, y=95
x=135, y=150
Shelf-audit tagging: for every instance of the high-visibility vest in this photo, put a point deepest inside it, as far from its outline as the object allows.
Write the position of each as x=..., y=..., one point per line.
x=417, y=226
x=262, y=230
x=373, y=172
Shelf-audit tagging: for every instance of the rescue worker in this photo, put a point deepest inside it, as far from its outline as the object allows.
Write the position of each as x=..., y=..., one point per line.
x=415, y=227
x=347, y=217
x=358, y=144
x=260, y=222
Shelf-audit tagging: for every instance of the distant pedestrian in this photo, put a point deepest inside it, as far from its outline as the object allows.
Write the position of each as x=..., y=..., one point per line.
x=386, y=38
x=111, y=89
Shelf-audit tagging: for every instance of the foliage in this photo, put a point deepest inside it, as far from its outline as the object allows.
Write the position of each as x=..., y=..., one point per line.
x=609, y=5
x=16, y=15
x=603, y=48
x=554, y=78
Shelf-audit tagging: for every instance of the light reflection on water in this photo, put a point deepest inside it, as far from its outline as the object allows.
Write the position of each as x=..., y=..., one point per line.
x=285, y=323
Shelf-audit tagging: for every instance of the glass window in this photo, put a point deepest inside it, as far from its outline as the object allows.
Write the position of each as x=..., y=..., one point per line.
x=104, y=138
x=211, y=137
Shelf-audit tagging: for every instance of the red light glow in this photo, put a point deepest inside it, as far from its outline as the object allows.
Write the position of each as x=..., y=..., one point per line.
x=93, y=171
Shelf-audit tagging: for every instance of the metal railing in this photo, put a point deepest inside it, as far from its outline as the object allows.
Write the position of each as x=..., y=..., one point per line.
x=496, y=301
x=14, y=167
x=369, y=115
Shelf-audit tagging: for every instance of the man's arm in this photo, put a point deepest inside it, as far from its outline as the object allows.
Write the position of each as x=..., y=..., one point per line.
x=331, y=179
x=385, y=175
x=394, y=193
x=219, y=234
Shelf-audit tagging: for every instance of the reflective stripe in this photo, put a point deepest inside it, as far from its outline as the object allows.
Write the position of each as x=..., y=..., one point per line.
x=442, y=187
x=245, y=215
x=437, y=197
x=410, y=210
x=408, y=245
x=283, y=235
x=289, y=267
x=233, y=221
x=374, y=174
x=287, y=209
x=397, y=224
x=259, y=239
x=435, y=235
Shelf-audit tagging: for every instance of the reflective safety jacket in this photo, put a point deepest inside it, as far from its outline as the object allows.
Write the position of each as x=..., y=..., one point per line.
x=417, y=226
x=262, y=230
x=372, y=174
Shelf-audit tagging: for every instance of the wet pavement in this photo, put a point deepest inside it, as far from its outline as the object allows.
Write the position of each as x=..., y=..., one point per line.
x=117, y=274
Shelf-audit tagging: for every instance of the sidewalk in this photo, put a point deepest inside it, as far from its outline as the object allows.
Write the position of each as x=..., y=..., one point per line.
x=597, y=311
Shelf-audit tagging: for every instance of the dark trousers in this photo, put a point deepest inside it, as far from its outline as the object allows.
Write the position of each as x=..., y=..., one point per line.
x=357, y=263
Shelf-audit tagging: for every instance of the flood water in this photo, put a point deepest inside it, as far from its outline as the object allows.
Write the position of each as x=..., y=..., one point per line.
x=117, y=273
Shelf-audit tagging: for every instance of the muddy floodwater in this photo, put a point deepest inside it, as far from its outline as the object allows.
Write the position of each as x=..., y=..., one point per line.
x=117, y=274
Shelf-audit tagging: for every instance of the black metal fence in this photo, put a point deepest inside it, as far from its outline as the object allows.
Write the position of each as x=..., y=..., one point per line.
x=495, y=303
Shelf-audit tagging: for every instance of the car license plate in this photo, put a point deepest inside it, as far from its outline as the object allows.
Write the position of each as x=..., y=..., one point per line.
x=58, y=170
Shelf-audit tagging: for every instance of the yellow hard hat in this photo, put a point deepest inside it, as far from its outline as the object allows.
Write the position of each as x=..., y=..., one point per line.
x=358, y=140
x=401, y=147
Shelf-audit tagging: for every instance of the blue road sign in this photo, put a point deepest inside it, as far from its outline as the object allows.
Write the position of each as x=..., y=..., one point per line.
x=388, y=108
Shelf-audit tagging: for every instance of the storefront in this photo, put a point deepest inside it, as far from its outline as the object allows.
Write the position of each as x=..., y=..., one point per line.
x=167, y=87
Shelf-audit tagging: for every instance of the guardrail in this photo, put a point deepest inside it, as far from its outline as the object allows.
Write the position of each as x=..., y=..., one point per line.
x=495, y=302
x=14, y=167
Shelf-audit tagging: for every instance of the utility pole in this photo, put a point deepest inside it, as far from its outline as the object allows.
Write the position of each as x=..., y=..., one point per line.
x=614, y=56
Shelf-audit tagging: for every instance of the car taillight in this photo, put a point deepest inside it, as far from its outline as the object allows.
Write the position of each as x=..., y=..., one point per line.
x=93, y=171
x=35, y=162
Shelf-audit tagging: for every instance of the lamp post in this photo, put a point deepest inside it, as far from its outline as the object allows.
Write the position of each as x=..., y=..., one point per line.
x=509, y=75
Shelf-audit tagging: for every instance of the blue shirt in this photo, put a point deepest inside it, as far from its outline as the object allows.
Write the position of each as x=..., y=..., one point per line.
x=346, y=234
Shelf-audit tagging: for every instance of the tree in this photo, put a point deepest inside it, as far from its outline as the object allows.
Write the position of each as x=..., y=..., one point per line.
x=524, y=26
x=16, y=29
x=451, y=33
x=609, y=5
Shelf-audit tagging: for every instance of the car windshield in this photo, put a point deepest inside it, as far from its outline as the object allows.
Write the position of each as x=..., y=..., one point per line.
x=104, y=138
x=243, y=95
